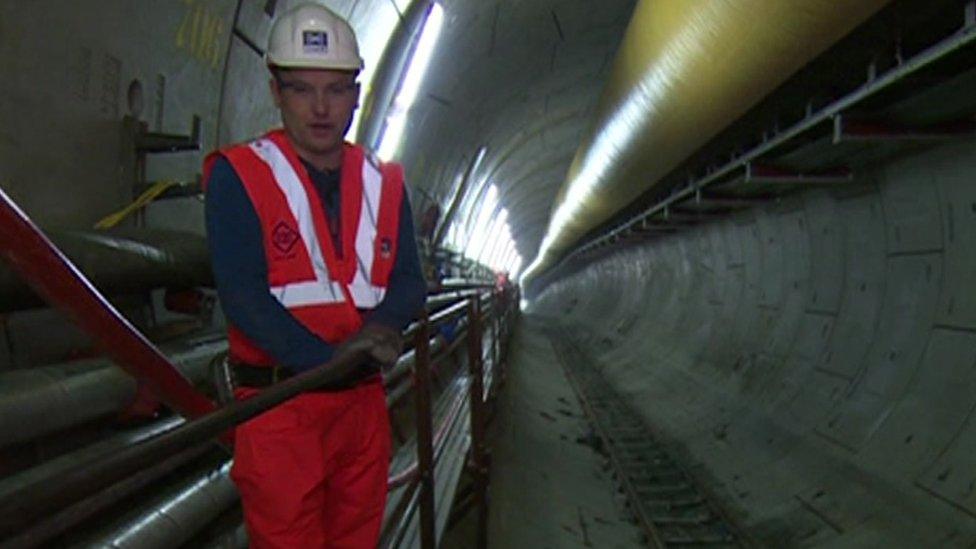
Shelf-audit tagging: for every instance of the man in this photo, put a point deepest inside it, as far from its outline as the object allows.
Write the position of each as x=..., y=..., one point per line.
x=313, y=253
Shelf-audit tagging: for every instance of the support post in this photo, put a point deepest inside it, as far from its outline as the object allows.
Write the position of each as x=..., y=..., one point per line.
x=496, y=340
x=425, y=435
x=478, y=460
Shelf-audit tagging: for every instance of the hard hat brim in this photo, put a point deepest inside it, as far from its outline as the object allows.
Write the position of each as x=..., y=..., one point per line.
x=313, y=64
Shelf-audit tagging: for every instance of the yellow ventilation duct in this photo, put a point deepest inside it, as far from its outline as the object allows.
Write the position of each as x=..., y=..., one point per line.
x=685, y=70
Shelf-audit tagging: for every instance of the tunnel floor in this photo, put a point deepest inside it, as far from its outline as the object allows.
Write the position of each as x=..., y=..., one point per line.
x=552, y=484
x=550, y=487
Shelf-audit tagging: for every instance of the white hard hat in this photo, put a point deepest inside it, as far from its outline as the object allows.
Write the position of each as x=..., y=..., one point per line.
x=311, y=36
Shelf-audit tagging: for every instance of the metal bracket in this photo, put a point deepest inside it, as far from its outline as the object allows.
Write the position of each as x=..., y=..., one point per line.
x=138, y=141
x=181, y=190
x=153, y=142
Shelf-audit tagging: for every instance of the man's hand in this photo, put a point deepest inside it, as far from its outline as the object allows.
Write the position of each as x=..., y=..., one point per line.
x=387, y=343
x=380, y=343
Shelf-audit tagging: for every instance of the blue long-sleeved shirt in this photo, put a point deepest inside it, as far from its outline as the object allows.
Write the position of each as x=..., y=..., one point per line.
x=241, y=271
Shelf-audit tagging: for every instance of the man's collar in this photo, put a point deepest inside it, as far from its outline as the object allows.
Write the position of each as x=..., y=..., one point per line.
x=313, y=170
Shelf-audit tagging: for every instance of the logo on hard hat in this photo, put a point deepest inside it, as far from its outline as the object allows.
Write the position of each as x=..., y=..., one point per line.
x=386, y=248
x=315, y=41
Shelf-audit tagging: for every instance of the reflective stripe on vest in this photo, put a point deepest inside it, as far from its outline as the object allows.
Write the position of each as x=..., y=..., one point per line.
x=364, y=293
x=323, y=290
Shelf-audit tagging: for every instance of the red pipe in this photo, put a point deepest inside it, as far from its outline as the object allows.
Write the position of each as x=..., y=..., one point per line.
x=58, y=281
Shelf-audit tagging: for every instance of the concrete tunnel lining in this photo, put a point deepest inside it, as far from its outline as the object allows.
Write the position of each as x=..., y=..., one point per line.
x=828, y=397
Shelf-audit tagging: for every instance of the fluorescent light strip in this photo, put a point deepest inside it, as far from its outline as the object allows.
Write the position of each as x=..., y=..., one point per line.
x=478, y=230
x=396, y=122
x=504, y=243
x=509, y=256
x=489, y=238
x=515, y=267
x=498, y=255
x=495, y=236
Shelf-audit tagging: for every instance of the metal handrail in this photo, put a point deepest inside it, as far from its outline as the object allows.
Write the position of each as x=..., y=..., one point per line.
x=41, y=498
x=75, y=490
x=54, y=276
x=436, y=319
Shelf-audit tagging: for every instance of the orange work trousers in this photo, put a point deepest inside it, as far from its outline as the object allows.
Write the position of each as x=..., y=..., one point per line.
x=312, y=472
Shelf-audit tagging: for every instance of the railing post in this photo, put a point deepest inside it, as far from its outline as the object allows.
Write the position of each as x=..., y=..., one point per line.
x=425, y=435
x=496, y=348
x=478, y=454
x=503, y=328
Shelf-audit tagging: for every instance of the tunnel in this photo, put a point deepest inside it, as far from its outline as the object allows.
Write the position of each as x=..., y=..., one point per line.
x=697, y=269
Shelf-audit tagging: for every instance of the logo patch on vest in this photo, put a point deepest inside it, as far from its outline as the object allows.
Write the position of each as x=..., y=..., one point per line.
x=284, y=237
x=386, y=248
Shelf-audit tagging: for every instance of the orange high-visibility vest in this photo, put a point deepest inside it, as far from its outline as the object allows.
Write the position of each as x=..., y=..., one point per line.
x=323, y=289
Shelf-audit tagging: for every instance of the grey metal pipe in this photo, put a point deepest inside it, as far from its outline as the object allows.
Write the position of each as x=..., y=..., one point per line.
x=40, y=401
x=121, y=261
x=52, y=525
x=66, y=462
x=40, y=499
x=173, y=518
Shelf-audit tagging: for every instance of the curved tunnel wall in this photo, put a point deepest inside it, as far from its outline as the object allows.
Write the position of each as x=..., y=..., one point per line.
x=816, y=357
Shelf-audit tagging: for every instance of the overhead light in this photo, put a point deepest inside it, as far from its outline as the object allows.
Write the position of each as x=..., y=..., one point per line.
x=496, y=234
x=480, y=227
x=489, y=235
x=509, y=256
x=498, y=248
x=516, y=265
x=396, y=121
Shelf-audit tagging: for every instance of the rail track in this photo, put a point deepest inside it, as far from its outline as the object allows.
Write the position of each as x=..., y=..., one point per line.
x=668, y=504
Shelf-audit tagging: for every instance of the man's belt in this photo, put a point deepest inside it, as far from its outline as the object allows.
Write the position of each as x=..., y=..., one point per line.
x=258, y=377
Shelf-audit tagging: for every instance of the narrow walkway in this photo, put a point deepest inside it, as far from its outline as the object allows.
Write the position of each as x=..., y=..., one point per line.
x=549, y=487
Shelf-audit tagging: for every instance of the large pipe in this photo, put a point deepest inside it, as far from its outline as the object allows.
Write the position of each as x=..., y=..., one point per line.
x=54, y=276
x=66, y=462
x=36, y=500
x=121, y=261
x=51, y=526
x=173, y=518
x=76, y=473
x=39, y=401
x=685, y=70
